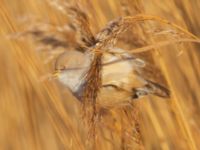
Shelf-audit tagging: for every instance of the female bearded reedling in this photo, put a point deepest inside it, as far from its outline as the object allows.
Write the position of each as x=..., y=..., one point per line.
x=114, y=77
x=120, y=81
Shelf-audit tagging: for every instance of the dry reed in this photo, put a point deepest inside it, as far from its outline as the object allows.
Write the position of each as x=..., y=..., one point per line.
x=43, y=116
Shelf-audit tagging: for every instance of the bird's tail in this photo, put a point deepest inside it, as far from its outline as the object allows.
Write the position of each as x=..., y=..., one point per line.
x=151, y=88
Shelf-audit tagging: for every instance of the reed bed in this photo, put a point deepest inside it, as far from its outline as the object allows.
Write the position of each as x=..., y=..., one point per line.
x=37, y=112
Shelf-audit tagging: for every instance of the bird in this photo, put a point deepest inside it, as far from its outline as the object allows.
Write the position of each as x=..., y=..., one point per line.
x=121, y=81
x=121, y=74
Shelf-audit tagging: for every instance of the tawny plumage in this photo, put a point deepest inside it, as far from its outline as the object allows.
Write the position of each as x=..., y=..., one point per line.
x=119, y=76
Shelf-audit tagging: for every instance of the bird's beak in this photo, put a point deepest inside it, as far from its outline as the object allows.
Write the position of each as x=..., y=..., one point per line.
x=56, y=74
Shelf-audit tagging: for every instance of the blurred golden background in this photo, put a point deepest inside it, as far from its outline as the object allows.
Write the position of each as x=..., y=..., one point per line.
x=40, y=115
